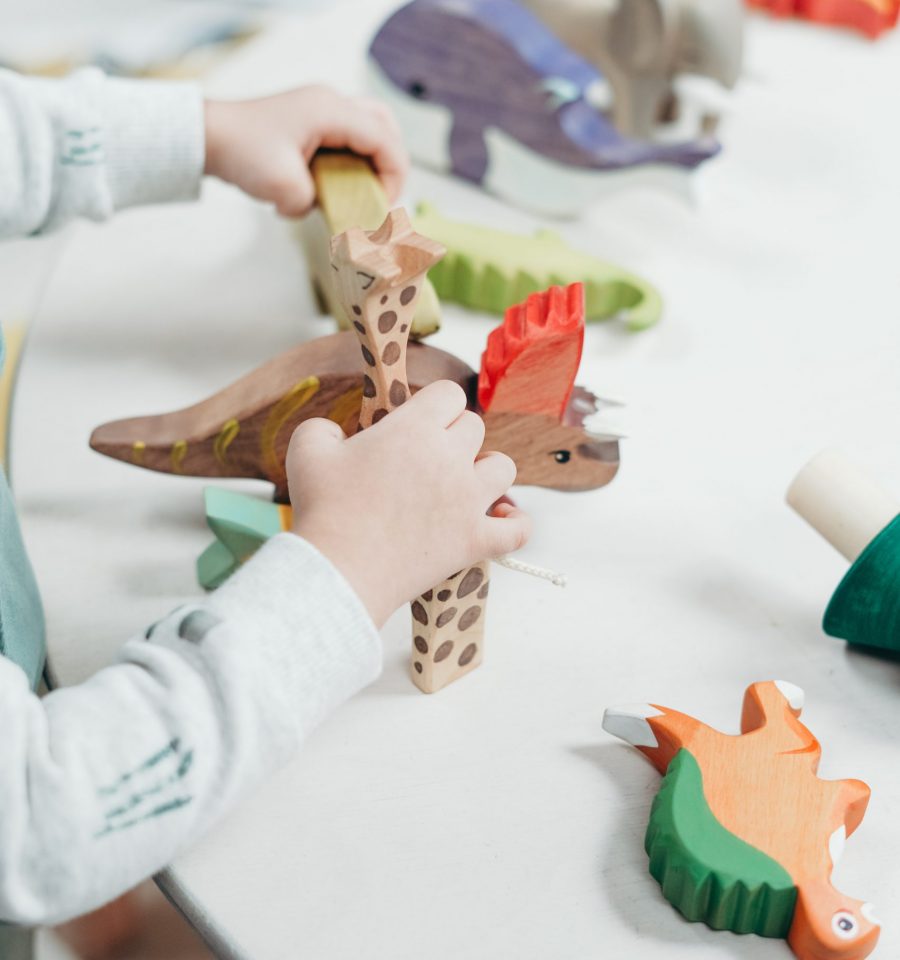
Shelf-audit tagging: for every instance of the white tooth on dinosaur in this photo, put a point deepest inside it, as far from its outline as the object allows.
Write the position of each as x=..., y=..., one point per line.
x=868, y=911
x=792, y=693
x=629, y=723
x=836, y=844
x=604, y=423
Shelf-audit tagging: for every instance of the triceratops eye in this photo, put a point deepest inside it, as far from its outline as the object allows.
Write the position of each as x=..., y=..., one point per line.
x=561, y=456
x=844, y=925
x=418, y=89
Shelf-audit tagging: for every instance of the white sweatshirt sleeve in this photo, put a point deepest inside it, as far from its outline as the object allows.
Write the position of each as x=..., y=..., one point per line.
x=104, y=783
x=89, y=145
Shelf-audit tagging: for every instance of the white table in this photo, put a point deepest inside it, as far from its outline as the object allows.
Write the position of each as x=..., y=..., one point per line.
x=496, y=819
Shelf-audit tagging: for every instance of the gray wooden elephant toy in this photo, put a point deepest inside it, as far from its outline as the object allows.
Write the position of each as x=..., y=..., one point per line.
x=668, y=62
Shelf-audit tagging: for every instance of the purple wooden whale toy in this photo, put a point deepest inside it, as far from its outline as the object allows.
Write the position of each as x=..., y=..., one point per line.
x=484, y=89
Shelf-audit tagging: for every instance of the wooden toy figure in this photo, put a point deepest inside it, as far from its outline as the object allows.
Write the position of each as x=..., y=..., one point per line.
x=489, y=269
x=862, y=521
x=526, y=393
x=379, y=276
x=871, y=17
x=670, y=63
x=743, y=835
x=349, y=194
x=485, y=90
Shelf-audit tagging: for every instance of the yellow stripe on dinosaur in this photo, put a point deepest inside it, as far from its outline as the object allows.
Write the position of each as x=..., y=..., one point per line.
x=296, y=398
x=230, y=429
x=345, y=406
x=137, y=452
x=179, y=452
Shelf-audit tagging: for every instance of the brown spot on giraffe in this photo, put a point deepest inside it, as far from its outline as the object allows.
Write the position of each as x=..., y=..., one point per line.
x=468, y=655
x=397, y=393
x=428, y=595
x=384, y=300
x=404, y=328
x=407, y=295
x=443, y=651
x=469, y=617
x=359, y=327
x=418, y=612
x=445, y=595
x=379, y=414
x=444, y=618
x=391, y=353
x=368, y=386
x=421, y=644
x=470, y=582
x=418, y=666
x=386, y=321
x=367, y=356
x=483, y=592
x=356, y=309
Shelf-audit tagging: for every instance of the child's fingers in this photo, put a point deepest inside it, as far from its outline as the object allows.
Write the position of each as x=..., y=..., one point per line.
x=315, y=432
x=507, y=534
x=293, y=191
x=351, y=124
x=441, y=402
x=496, y=473
x=468, y=431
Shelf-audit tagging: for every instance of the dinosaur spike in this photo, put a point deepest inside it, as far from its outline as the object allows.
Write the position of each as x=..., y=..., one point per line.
x=531, y=360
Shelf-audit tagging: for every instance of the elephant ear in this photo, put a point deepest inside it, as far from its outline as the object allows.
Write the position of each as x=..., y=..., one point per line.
x=643, y=32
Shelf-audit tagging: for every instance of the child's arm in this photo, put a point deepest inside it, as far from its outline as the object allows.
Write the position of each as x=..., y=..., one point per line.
x=105, y=783
x=89, y=145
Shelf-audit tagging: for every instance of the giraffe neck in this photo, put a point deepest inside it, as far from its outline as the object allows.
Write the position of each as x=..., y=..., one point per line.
x=382, y=325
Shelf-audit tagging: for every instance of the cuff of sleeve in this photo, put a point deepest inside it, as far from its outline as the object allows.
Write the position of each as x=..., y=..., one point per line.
x=154, y=141
x=322, y=642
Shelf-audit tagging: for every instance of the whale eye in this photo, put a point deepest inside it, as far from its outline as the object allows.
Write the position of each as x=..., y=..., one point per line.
x=844, y=925
x=561, y=456
x=417, y=89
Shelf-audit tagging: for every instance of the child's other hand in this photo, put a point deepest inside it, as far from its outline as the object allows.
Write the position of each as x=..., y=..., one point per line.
x=403, y=505
x=265, y=146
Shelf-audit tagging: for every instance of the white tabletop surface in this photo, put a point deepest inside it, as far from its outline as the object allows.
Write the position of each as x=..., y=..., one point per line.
x=496, y=819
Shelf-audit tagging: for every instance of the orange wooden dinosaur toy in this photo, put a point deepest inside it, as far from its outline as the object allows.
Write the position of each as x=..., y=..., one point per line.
x=743, y=835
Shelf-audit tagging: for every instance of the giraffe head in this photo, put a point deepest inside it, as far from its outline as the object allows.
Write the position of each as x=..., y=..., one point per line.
x=527, y=393
x=371, y=263
x=829, y=926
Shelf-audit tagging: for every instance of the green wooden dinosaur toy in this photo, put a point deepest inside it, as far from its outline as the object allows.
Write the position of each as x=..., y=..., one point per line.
x=488, y=270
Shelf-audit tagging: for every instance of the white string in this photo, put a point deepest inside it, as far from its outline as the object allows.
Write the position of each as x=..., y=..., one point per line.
x=557, y=579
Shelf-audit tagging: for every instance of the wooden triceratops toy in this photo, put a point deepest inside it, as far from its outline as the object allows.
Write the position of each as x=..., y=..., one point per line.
x=525, y=391
x=743, y=835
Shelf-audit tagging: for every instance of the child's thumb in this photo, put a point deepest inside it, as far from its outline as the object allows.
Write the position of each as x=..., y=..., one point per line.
x=317, y=433
x=295, y=193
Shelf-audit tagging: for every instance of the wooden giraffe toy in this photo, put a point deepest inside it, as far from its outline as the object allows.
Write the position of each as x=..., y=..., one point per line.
x=743, y=835
x=526, y=393
x=379, y=276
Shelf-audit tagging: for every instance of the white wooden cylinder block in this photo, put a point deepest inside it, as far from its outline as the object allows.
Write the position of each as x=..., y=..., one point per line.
x=840, y=501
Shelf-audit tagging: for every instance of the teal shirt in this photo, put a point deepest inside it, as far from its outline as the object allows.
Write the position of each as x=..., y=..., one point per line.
x=21, y=614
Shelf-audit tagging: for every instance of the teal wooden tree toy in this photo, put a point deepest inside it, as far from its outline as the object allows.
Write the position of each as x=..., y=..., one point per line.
x=862, y=521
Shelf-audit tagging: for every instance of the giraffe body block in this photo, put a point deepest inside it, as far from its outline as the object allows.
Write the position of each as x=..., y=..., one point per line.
x=350, y=194
x=448, y=628
x=380, y=274
x=739, y=814
x=871, y=17
x=489, y=270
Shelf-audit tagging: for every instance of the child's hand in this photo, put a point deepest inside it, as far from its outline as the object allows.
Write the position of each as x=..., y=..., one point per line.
x=403, y=505
x=265, y=146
